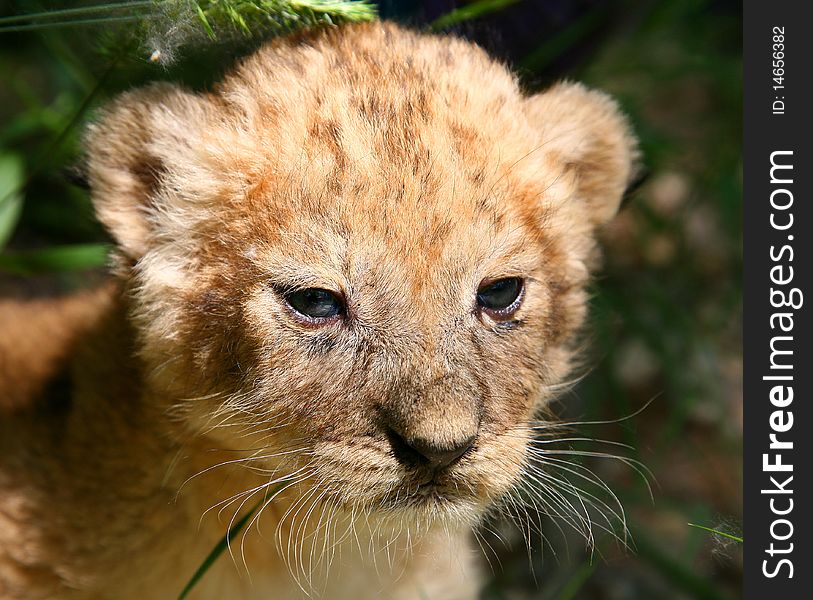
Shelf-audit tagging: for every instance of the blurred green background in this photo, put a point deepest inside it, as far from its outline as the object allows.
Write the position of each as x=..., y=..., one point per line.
x=666, y=309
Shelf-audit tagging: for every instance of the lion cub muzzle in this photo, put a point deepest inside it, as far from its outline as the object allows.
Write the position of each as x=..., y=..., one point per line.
x=434, y=426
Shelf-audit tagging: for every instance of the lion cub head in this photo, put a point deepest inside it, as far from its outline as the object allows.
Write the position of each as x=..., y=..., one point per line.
x=362, y=256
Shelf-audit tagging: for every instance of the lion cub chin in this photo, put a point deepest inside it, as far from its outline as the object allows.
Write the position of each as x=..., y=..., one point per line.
x=347, y=279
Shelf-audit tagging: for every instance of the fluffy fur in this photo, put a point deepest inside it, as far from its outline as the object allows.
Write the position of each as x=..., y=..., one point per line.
x=399, y=170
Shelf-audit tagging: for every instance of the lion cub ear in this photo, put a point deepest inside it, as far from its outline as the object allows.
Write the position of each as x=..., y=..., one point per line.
x=130, y=148
x=585, y=132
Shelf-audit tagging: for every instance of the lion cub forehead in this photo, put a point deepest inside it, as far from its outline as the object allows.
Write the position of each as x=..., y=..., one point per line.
x=370, y=71
x=373, y=103
x=378, y=145
x=379, y=133
x=356, y=243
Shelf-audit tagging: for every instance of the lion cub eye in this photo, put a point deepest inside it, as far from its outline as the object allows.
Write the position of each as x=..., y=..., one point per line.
x=500, y=298
x=315, y=303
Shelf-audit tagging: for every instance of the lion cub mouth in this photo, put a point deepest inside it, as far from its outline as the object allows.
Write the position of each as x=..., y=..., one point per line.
x=432, y=494
x=425, y=486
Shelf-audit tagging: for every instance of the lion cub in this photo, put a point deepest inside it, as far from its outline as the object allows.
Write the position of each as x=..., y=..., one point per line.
x=346, y=280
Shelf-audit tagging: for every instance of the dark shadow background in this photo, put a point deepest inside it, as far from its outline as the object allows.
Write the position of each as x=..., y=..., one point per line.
x=666, y=308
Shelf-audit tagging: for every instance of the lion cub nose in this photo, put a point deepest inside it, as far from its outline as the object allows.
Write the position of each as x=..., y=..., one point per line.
x=412, y=451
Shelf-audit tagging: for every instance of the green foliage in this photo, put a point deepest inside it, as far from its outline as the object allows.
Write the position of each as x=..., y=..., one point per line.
x=77, y=257
x=11, y=201
x=166, y=26
x=74, y=17
x=278, y=16
x=180, y=23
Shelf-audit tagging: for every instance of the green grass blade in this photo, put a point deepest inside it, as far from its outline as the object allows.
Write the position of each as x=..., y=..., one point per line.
x=352, y=10
x=223, y=544
x=73, y=23
x=469, y=12
x=679, y=574
x=205, y=22
x=11, y=202
x=558, y=45
x=220, y=547
x=716, y=532
x=575, y=583
x=75, y=12
x=50, y=260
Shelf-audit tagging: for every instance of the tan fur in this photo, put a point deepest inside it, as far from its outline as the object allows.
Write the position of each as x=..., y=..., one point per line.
x=397, y=169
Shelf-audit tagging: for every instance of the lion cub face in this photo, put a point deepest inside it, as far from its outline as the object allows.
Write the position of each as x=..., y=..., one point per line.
x=362, y=258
